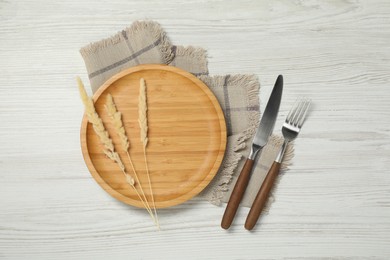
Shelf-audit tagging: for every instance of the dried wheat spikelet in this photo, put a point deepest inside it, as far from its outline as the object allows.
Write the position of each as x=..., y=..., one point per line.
x=104, y=137
x=108, y=146
x=116, y=120
x=143, y=124
x=142, y=113
x=100, y=130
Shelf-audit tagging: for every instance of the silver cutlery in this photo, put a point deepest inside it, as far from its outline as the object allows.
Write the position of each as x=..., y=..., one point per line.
x=263, y=132
x=291, y=128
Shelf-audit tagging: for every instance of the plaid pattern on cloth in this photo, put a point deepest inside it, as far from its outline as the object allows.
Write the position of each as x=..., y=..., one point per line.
x=145, y=42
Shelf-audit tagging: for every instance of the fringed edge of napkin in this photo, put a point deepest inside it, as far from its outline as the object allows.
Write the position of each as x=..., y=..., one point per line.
x=235, y=154
x=235, y=157
x=277, y=141
x=192, y=52
x=138, y=27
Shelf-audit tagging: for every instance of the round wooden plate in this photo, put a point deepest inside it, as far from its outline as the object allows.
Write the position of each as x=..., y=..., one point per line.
x=187, y=135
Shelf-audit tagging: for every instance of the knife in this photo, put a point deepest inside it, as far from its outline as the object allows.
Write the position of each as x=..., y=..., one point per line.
x=263, y=132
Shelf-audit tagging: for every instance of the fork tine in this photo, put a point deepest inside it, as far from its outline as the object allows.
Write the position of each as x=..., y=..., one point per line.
x=303, y=117
x=291, y=113
x=298, y=112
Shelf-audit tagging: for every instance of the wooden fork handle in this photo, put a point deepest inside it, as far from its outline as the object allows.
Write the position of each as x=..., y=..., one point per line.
x=262, y=196
x=237, y=194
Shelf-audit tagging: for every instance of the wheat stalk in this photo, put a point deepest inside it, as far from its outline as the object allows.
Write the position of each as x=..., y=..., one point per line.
x=95, y=120
x=116, y=119
x=142, y=113
x=143, y=124
x=104, y=137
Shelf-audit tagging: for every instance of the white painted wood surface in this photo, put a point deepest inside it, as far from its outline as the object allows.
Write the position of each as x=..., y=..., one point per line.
x=334, y=202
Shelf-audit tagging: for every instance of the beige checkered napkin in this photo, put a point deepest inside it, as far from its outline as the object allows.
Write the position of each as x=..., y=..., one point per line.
x=145, y=42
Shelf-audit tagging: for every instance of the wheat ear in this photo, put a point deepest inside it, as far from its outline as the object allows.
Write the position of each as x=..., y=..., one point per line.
x=104, y=137
x=116, y=119
x=143, y=124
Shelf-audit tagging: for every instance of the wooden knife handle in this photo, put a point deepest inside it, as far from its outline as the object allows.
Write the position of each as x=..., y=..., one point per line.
x=262, y=196
x=237, y=194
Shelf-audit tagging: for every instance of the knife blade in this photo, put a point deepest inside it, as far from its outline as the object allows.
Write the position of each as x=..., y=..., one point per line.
x=260, y=139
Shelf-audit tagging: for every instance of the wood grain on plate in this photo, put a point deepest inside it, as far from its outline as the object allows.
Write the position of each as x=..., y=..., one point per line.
x=187, y=135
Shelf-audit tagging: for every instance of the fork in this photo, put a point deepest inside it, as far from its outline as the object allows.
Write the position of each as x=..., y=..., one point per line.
x=291, y=127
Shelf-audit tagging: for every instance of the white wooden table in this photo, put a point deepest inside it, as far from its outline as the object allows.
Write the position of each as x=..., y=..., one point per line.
x=334, y=202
